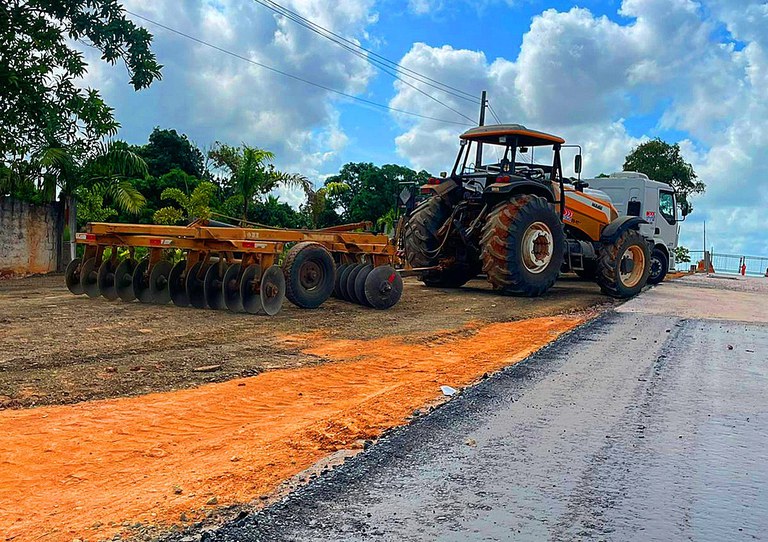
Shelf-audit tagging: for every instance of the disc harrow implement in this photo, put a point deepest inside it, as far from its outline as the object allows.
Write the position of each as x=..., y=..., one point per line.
x=219, y=267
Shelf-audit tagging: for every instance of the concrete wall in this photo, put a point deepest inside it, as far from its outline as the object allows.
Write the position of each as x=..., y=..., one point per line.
x=30, y=237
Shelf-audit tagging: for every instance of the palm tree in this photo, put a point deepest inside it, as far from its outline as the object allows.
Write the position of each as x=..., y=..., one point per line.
x=253, y=174
x=107, y=170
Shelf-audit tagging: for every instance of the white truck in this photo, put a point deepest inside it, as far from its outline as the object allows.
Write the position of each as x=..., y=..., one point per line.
x=635, y=194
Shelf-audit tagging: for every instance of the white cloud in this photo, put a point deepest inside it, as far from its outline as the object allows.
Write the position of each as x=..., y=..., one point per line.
x=581, y=76
x=213, y=96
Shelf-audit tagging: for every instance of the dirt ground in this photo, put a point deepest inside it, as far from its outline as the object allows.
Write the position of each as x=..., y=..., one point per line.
x=57, y=348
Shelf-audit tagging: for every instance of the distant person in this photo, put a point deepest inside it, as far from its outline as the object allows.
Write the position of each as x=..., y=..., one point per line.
x=743, y=269
x=766, y=271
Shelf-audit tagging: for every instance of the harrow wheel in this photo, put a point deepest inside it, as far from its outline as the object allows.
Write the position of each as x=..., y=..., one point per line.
x=72, y=276
x=141, y=282
x=124, y=279
x=213, y=287
x=177, y=284
x=272, y=290
x=351, y=292
x=337, y=283
x=159, y=291
x=231, y=288
x=106, y=279
x=196, y=286
x=343, y=292
x=360, y=285
x=89, y=275
x=383, y=287
x=310, y=275
x=249, y=290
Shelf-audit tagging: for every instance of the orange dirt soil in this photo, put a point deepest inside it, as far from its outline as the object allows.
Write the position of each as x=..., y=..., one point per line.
x=89, y=470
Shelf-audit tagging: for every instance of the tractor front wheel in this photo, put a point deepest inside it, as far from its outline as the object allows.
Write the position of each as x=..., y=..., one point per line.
x=624, y=265
x=523, y=246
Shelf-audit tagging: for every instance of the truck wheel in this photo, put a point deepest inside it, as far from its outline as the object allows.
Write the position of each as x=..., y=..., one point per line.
x=659, y=266
x=310, y=274
x=422, y=246
x=523, y=246
x=623, y=266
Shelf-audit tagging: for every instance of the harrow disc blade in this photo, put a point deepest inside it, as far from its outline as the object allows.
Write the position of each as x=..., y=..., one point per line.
x=141, y=282
x=272, y=290
x=106, y=279
x=360, y=285
x=72, y=276
x=213, y=287
x=343, y=292
x=177, y=284
x=124, y=279
x=249, y=289
x=351, y=282
x=158, y=282
x=231, y=288
x=196, y=285
x=89, y=278
x=337, y=286
x=383, y=287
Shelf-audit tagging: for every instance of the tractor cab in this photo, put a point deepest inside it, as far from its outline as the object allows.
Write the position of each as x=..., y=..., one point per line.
x=512, y=162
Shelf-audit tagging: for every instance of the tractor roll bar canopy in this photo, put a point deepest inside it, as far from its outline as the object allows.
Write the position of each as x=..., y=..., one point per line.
x=505, y=134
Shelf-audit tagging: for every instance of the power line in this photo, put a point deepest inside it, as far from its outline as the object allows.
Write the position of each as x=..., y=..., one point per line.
x=369, y=55
x=495, y=116
x=356, y=50
x=296, y=77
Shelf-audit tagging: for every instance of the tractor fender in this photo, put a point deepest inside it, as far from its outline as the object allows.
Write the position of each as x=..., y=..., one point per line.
x=521, y=187
x=439, y=189
x=614, y=230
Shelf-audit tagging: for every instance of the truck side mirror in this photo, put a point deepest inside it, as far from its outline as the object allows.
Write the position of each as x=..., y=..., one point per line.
x=577, y=164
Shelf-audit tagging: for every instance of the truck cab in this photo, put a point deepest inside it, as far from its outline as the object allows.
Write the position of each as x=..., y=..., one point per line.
x=635, y=194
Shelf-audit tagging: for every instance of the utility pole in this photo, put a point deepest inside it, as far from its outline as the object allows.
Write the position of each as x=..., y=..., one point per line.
x=479, y=155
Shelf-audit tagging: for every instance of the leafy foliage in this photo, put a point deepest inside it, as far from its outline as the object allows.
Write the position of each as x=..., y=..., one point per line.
x=91, y=206
x=372, y=190
x=42, y=107
x=167, y=151
x=251, y=174
x=195, y=205
x=665, y=163
x=682, y=255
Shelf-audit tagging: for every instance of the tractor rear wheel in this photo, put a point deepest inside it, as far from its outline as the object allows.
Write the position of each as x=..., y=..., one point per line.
x=523, y=246
x=624, y=265
x=424, y=247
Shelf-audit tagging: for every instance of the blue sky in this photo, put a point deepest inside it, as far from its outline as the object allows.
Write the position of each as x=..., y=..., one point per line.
x=606, y=74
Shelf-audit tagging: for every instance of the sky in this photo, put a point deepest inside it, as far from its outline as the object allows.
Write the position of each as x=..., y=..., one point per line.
x=606, y=74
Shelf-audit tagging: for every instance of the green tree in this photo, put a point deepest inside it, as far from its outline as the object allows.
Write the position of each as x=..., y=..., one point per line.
x=665, y=163
x=372, y=190
x=252, y=174
x=167, y=150
x=42, y=106
x=273, y=212
x=682, y=255
x=196, y=205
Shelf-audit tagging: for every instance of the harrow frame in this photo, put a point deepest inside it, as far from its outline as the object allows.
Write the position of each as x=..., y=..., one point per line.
x=216, y=244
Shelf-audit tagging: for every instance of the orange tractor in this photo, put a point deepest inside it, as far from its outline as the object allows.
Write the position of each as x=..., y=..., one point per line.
x=520, y=222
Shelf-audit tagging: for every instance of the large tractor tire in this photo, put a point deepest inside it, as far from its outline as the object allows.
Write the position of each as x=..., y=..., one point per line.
x=422, y=246
x=624, y=265
x=523, y=246
x=659, y=266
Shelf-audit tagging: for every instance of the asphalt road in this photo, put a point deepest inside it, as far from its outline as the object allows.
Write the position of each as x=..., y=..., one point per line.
x=650, y=423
